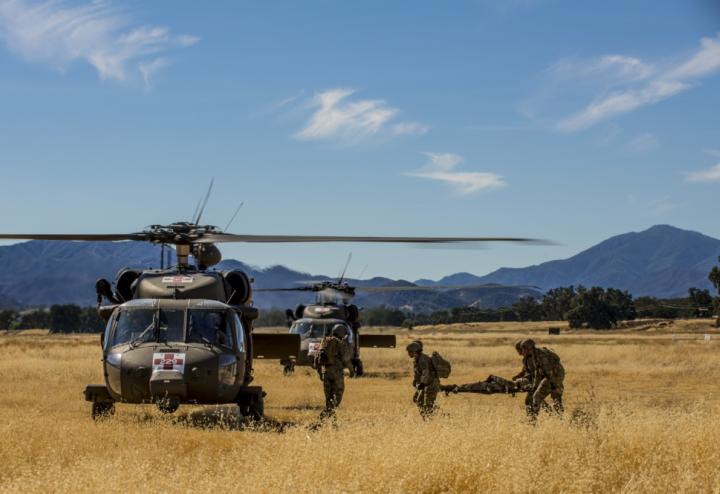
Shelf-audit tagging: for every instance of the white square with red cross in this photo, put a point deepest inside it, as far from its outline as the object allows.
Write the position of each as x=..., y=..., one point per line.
x=169, y=362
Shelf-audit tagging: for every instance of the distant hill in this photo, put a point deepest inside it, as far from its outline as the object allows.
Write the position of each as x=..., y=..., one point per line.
x=41, y=273
x=662, y=261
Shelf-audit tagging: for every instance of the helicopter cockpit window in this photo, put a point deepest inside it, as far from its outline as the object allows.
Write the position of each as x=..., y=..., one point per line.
x=171, y=323
x=208, y=326
x=134, y=326
x=239, y=333
x=314, y=330
x=300, y=328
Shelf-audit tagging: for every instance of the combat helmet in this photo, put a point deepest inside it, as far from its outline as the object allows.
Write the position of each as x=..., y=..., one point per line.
x=414, y=346
x=339, y=331
x=528, y=344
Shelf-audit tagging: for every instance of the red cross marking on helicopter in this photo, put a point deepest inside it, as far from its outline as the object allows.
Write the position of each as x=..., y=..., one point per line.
x=168, y=361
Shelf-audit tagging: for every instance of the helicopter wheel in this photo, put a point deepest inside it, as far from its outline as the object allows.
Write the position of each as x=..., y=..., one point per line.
x=253, y=412
x=168, y=405
x=289, y=368
x=358, y=367
x=102, y=410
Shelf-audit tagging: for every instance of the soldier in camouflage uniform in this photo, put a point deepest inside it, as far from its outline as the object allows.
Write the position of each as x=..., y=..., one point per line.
x=425, y=380
x=334, y=356
x=548, y=375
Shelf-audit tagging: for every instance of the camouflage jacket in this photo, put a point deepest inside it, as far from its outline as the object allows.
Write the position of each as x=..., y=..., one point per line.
x=424, y=371
x=338, y=351
x=547, y=365
x=528, y=369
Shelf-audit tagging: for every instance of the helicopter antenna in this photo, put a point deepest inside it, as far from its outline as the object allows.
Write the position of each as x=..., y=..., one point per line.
x=204, y=202
x=362, y=272
x=342, y=273
x=233, y=216
x=197, y=207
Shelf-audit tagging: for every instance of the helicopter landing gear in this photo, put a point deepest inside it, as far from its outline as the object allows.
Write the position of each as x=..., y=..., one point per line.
x=358, y=367
x=251, y=401
x=100, y=410
x=288, y=367
x=168, y=404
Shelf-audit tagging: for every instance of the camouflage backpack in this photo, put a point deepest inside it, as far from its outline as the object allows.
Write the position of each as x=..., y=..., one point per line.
x=328, y=350
x=442, y=367
x=553, y=357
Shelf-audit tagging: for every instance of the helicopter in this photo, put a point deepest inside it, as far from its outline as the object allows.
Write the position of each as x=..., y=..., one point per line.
x=184, y=334
x=333, y=306
x=315, y=321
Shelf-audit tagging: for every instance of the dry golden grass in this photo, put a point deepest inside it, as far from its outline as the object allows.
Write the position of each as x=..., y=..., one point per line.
x=648, y=400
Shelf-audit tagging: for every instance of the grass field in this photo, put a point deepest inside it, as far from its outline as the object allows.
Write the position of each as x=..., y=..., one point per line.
x=647, y=398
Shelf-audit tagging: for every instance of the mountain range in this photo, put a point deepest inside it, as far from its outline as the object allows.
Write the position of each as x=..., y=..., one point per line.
x=663, y=261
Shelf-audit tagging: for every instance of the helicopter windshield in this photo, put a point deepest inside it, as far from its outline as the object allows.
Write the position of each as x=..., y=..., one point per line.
x=170, y=324
x=136, y=326
x=209, y=326
x=308, y=329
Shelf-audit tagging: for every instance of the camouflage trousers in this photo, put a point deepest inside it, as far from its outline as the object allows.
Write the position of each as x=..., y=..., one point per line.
x=334, y=387
x=425, y=399
x=552, y=386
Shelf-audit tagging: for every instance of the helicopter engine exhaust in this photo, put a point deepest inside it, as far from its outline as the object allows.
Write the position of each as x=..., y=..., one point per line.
x=239, y=287
x=206, y=254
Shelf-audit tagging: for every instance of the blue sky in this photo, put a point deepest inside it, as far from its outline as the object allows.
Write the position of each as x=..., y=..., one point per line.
x=571, y=121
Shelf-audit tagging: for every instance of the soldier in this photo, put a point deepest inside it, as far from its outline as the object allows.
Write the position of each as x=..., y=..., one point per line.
x=524, y=377
x=425, y=380
x=334, y=356
x=548, y=375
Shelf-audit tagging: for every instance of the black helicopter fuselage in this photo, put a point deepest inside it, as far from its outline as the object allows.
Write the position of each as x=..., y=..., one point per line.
x=182, y=336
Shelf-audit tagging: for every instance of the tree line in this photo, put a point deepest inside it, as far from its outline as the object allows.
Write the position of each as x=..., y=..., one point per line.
x=581, y=307
x=61, y=318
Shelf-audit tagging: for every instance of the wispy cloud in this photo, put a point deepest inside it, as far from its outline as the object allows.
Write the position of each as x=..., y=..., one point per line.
x=58, y=33
x=712, y=174
x=628, y=83
x=661, y=206
x=643, y=143
x=336, y=116
x=442, y=167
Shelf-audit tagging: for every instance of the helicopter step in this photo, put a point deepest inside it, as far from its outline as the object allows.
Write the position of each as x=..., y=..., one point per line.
x=103, y=404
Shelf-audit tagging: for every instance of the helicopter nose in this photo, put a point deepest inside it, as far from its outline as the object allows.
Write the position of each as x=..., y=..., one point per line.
x=167, y=383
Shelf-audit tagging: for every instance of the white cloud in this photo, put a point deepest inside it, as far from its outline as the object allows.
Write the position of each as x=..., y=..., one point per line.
x=643, y=143
x=410, y=128
x=60, y=33
x=611, y=67
x=710, y=175
x=619, y=103
x=654, y=85
x=441, y=167
x=337, y=117
x=148, y=69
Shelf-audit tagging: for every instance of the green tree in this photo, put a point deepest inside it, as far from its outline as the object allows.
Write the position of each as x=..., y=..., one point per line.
x=557, y=302
x=528, y=309
x=65, y=318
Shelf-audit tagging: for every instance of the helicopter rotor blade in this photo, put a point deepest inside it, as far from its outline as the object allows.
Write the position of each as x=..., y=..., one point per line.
x=112, y=237
x=377, y=289
x=296, y=289
x=229, y=237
